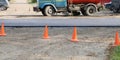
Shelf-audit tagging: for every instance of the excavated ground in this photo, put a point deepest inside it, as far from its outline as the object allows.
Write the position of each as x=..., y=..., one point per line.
x=26, y=43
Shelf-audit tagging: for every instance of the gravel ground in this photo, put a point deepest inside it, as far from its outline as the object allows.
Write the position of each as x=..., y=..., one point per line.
x=26, y=43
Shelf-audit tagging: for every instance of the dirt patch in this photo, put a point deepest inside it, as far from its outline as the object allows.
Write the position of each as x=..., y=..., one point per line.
x=28, y=44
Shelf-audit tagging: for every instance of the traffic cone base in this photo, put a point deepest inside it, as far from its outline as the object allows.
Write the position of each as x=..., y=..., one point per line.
x=46, y=37
x=75, y=40
x=2, y=34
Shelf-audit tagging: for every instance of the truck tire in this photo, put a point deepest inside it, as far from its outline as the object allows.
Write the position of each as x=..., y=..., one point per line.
x=90, y=10
x=115, y=10
x=3, y=8
x=100, y=9
x=83, y=12
x=48, y=11
x=74, y=13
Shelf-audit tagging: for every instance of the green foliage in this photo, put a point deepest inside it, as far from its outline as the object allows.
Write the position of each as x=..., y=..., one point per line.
x=32, y=1
x=115, y=54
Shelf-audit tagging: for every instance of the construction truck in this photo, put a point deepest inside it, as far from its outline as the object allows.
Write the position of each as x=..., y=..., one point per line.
x=114, y=6
x=4, y=4
x=86, y=7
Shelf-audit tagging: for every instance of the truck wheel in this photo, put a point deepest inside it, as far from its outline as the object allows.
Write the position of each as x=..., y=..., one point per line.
x=90, y=10
x=100, y=9
x=115, y=10
x=74, y=13
x=2, y=8
x=48, y=11
x=83, y=12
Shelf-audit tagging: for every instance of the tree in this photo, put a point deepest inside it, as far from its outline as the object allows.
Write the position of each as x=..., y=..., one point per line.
x=33, y=1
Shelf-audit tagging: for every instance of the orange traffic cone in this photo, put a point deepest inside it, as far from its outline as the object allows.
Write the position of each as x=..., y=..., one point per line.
x=74, y=36
x=45, y=35
x=117, y=42
x=2, y=31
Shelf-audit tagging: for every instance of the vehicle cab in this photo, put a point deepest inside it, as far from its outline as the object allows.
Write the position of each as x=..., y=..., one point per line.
x=108, y=5
x=49, y=7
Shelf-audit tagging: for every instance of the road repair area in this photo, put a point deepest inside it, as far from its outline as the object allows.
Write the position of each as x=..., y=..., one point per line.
x=24, y=38
x=48, y=35
x=27, y=43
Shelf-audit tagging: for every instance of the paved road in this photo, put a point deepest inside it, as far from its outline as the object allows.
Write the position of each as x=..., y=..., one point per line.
x=63, y=21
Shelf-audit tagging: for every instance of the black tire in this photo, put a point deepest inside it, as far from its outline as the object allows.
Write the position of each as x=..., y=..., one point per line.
x=83, y=12
x=48, y=11
x=100, y=9
x=3, y=8
x=74, y=13
x=90, y=10
x=115, y=10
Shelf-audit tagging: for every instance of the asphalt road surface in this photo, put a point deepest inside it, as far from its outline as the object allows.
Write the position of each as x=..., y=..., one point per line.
x=63, y=21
